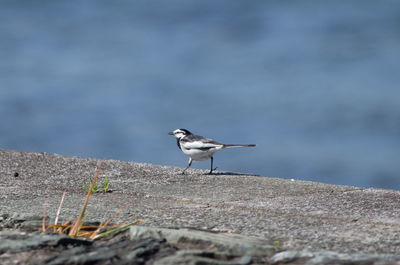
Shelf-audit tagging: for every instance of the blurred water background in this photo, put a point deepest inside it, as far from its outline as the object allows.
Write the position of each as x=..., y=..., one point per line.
x=315, y=84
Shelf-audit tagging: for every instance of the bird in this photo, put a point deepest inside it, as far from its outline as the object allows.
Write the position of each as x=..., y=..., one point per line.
x=199, y=148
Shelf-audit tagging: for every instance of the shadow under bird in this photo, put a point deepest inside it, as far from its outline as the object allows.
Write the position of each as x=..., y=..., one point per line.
x=199, y=148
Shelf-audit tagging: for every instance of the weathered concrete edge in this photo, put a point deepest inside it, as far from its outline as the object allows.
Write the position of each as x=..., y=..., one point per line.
x=252, y=246
x=295, y=253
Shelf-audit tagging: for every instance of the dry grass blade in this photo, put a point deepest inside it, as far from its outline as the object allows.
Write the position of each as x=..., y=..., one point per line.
x=61, y=228
x=117, y=229
x=124, y=221
x=117, y=213
x=108, y=221
x=44, y=220
x=75, y=229
x=59, y=209
x=65, y=227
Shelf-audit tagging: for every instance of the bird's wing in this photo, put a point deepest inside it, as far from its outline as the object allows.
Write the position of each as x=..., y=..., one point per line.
x=198, y=142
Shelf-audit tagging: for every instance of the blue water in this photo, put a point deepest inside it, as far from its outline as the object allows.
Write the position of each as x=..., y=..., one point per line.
x=315, y=84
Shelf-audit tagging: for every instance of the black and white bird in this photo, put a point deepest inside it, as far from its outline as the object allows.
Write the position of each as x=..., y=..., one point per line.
x=199, y=148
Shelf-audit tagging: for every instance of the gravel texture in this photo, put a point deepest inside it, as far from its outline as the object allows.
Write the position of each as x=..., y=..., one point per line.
x=297, y=216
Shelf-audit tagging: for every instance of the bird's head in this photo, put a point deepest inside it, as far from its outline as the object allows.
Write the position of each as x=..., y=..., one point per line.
x=180, y=133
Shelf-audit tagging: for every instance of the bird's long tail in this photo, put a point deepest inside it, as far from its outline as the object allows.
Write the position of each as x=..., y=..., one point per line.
x=238, y=145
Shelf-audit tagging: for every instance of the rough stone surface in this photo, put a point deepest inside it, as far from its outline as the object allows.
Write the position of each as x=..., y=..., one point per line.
x=298, y=216
x=19, y=247
x=236, y=244
x=328, y=257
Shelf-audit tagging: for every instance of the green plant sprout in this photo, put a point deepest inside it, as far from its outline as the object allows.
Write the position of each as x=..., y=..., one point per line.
x=276, y=243
x=106, y=185
x=96, y=186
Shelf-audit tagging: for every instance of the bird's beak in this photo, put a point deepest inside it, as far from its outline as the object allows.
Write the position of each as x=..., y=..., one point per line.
x=171, y=133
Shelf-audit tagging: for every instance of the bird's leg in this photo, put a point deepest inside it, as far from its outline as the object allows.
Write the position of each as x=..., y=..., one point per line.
x=190, y=163
x=211, y=170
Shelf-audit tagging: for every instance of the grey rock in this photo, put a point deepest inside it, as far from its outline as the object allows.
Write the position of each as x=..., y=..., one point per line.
x=194, y=257
x=27, y=222
x=17, y=241
x=110, y=252
x=76, y=255
x=237, y=244
x=145, y=249
x=328, y=257
x=296, y=215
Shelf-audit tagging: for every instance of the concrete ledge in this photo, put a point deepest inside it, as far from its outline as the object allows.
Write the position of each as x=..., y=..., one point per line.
x=297, y=215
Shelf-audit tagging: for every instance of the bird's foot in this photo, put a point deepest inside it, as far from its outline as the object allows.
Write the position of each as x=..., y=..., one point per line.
x=211, y=171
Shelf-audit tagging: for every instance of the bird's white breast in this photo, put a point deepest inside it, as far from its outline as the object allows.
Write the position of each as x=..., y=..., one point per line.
x=200, y=151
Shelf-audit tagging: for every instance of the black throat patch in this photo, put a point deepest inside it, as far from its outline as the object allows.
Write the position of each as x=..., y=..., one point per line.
x=178, y=143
